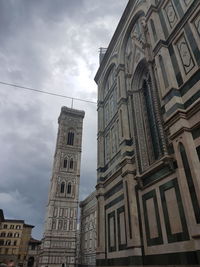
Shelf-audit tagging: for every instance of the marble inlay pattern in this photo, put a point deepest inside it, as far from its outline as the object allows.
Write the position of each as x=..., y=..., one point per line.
x=171, y=14
x=197, y=24
x=185, y=55
x=187, y=2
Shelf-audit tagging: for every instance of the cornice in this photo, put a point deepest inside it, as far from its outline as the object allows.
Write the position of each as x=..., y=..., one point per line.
x=118, y=31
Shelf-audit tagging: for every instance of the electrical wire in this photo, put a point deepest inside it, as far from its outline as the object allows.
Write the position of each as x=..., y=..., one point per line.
x=46, y=92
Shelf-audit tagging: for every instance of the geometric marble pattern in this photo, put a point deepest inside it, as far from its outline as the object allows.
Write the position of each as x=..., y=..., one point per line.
x=171, y=14
x=187, y=2
x=197, y=24
x=185, y=55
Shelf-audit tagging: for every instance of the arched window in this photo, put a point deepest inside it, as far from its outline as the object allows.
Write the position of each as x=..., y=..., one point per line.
x=70, y=138
x=62, y=188
x=9, y=234
x=71, y=164
x=15, y=243
x=163, y=70
x=147, y=130
x=3, y=234
x=190, y=182
x=69, y=188
x=154, y=31
x=65, y=164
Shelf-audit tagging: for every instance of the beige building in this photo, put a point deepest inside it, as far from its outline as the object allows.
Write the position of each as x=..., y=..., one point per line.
x=87, y=252
x=14, y=239
x=148, y=187
x=59, y=242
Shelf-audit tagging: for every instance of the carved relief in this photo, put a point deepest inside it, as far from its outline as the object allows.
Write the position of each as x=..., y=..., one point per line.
x=185, y=55
x=171, y=14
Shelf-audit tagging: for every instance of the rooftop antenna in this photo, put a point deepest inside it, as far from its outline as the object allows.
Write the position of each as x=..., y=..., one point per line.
x=72, y=103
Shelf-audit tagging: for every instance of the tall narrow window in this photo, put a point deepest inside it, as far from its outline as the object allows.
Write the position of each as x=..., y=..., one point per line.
x=190, y=182
x=163, y=70
x=154, y=31
x=70, y=138
x=69, y=188
x=122, y=132
x=71, y=164
x=65, y=164
x=150, y=115
x=62, y=188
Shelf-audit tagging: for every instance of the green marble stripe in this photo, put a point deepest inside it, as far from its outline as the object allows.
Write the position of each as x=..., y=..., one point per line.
x=116, y=188
x=114, y=202
x=158, y=240
x=178, y=258
x=177, y=237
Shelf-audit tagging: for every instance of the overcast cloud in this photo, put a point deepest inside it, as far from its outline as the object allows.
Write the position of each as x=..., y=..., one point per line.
x=50, y=45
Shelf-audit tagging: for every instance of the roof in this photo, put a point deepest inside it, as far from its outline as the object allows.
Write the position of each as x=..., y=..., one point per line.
x=14, y=221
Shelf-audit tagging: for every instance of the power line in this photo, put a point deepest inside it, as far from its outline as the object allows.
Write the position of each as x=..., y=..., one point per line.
x=46, y=92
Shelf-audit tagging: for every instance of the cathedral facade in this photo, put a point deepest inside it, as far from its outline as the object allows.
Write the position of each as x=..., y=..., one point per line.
x=148, y=187
x=59, y=241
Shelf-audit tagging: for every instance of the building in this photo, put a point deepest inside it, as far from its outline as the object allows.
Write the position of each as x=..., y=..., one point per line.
x=14, y=239
x=87, y=252
x=148, y=186
x=33, y=253
x=59, y=242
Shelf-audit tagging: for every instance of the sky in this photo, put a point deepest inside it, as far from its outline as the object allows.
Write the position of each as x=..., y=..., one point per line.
x=50, y=45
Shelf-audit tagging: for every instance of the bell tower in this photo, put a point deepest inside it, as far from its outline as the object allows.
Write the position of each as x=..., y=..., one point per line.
x=59, y=240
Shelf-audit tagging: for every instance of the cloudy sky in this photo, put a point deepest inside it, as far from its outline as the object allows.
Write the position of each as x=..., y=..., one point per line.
x=50, y=45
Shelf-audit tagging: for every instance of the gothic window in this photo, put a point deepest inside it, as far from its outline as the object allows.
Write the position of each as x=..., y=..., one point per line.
x=107, y=147
x=60, y=224
x=106, y=110
x=150, y=115
x=191, y=186
x=110, y=80
x=71, y=164
x=69, y=188
x=62, y=188
x=121, y=119
x=148, y=141
x=54, y=224
x=154, y=30
x=70, y=138
x=65, y=164
x=163, y=70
